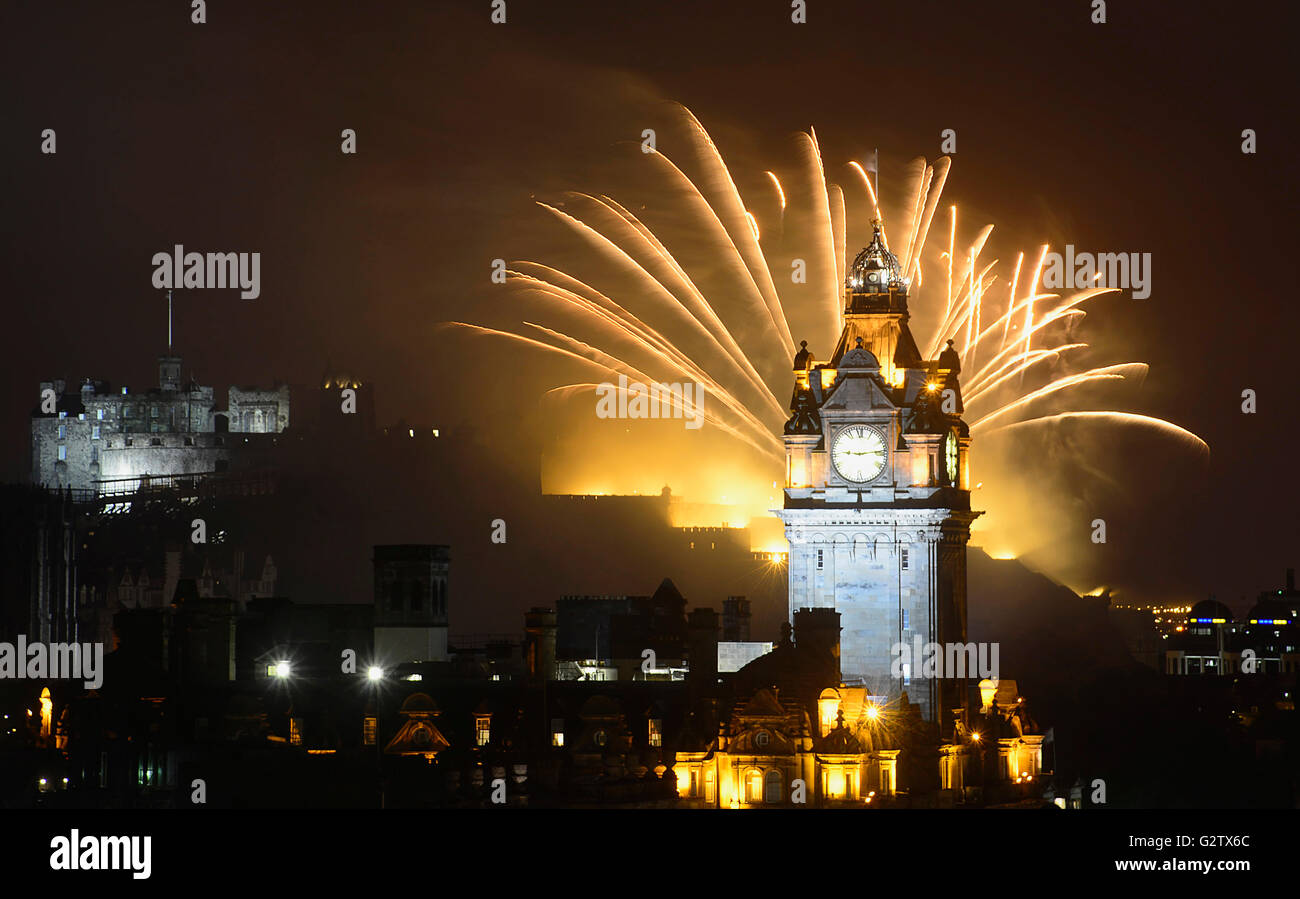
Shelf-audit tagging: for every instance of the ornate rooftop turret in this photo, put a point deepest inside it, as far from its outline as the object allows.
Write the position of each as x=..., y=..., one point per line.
x=950, y=360
x=875, y=269
x=803, y=359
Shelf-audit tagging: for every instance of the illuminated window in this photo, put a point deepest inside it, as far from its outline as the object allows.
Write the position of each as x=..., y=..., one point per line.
x=99, y=413
x=94, y=432
x=695, y=783
x=557, y=731
x=47, y=712
x=63, y=432
x=710, y=783
x=295, y=731
x=63, y=453
x=754, y=786
x=775, y=786
x=828, y=708
x=482, y=729
x=657, y=736
x=369, y=730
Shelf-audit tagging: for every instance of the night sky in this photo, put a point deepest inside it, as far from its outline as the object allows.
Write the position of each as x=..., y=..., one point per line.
x=225, y=137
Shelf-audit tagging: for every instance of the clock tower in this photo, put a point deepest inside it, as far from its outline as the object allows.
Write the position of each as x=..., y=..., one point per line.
x=877, y=495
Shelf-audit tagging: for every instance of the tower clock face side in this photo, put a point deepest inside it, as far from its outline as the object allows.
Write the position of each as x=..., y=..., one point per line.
x=950, y=457
x=858, y=453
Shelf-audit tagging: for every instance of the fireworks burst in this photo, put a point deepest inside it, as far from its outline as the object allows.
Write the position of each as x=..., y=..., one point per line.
x=1014, y=341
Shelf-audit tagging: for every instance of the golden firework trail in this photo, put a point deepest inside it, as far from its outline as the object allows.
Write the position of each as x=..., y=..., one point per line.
x=1009, y=340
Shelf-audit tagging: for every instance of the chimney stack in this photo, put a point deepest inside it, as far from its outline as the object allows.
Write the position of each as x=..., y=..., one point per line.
x=702, y=647
x=818, y=630
x=539, y=644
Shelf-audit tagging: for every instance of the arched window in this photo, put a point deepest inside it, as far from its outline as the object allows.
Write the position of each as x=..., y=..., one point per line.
x=753, y=786
x=775, y=786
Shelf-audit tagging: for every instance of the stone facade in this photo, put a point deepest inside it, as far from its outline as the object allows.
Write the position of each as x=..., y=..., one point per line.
x=98, y=434
x=877, y=498
x=411, y=601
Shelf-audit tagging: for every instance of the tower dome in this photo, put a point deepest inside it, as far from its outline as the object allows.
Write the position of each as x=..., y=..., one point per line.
x=875, y=268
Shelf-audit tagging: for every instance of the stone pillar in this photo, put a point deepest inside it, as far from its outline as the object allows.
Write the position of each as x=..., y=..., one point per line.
x=1008, y=758
x=1032, y=754
x=886, y=762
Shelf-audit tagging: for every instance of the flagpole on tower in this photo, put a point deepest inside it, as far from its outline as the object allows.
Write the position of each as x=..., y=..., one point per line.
x=878, y=176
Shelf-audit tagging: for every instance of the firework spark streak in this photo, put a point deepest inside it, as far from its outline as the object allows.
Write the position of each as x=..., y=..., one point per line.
x=1010, y=344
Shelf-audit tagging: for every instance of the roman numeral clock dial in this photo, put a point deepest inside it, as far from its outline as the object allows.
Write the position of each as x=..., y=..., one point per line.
x=858, y=453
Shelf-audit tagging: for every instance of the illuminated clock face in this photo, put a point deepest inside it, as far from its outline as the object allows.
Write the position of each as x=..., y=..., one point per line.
x=950, y=457
x=858, y=453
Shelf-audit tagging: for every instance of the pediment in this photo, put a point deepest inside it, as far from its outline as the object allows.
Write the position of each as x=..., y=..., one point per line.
x=760, y=740
x=857, y=392
x=417, y=737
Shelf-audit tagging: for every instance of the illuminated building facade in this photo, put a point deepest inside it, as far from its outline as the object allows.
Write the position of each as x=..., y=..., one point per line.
x=877, y=495
x=1265, y=641
x=100, y=434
